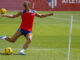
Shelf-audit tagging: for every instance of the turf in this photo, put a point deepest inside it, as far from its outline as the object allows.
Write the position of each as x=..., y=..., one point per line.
x=50, y=37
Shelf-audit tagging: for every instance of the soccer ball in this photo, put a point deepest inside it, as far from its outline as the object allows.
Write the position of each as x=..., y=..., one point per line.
x=8, y=51
x=3, y=11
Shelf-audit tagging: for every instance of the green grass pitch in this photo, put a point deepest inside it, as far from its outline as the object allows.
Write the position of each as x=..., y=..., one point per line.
x=50, y=37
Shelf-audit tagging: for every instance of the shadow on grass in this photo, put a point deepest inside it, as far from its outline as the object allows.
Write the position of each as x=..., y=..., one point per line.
x=11, y=54
x=18, y=54
x=2, y=54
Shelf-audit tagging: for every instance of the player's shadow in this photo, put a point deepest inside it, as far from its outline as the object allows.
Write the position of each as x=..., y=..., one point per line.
x=11, y=54
x=2, y=54
x=15, y=54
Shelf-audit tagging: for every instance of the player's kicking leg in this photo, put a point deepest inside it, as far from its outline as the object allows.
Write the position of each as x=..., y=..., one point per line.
x=29, y=38
x=12, y=39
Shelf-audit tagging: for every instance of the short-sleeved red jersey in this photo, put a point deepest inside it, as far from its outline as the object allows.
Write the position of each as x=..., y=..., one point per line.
x=27, y=20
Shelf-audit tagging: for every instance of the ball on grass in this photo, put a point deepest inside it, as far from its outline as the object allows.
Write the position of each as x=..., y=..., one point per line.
x=3, y=11
x=8, y=51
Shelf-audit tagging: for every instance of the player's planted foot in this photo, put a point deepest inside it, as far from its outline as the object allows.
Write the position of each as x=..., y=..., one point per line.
x=21, y=53
x=2, y=37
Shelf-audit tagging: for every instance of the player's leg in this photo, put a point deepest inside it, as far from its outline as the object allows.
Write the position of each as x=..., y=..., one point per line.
x=12, y=39
x=29, y=39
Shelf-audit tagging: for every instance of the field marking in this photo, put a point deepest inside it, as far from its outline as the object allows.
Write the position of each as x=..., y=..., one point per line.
x=39, y=48
x=65, y=19
x=67, y=14
x=33, y=49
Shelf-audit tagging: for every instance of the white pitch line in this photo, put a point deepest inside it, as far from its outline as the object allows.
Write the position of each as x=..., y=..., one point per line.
x=39, y=48
x=67, y=14
x=36, y=48
x=65, y=19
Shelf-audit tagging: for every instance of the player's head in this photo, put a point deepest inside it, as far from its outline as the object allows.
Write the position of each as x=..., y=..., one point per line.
x=26, y=4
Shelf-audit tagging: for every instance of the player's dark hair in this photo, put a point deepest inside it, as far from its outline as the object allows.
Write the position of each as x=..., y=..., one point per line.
x=26, y=4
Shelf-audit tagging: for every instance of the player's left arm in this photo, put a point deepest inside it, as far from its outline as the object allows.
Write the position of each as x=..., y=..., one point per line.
x=12, y=16
x=42, y=15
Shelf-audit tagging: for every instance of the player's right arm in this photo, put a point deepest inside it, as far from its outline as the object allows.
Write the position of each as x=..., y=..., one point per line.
x=12, y=16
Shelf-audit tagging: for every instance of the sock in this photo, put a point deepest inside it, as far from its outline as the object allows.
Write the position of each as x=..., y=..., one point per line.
x=22, y=51
x=3, y=37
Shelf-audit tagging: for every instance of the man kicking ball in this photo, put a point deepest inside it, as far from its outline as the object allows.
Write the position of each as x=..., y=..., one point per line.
x=25, y=28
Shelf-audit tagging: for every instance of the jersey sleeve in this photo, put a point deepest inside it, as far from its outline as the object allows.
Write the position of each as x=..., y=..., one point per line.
x=24, y=11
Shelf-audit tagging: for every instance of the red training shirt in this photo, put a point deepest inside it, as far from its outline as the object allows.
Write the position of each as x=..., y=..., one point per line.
x=27, y=20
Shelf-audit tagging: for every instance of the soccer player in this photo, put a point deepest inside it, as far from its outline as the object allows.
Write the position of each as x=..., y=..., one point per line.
x=25, y=28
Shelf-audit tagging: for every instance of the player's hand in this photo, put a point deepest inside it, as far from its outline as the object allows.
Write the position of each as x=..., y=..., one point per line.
x=51, y=14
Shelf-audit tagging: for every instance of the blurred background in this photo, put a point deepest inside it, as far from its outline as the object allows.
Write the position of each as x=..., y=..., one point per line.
x=50, y=34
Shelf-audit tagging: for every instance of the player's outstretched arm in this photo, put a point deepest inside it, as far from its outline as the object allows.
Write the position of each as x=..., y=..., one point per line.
x=42, y=15
x=12, y=16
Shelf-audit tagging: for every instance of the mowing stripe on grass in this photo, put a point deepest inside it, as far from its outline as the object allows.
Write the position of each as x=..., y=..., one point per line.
x=37, y=48
x=40, y=48
x=67, y=14
x=65, y=19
